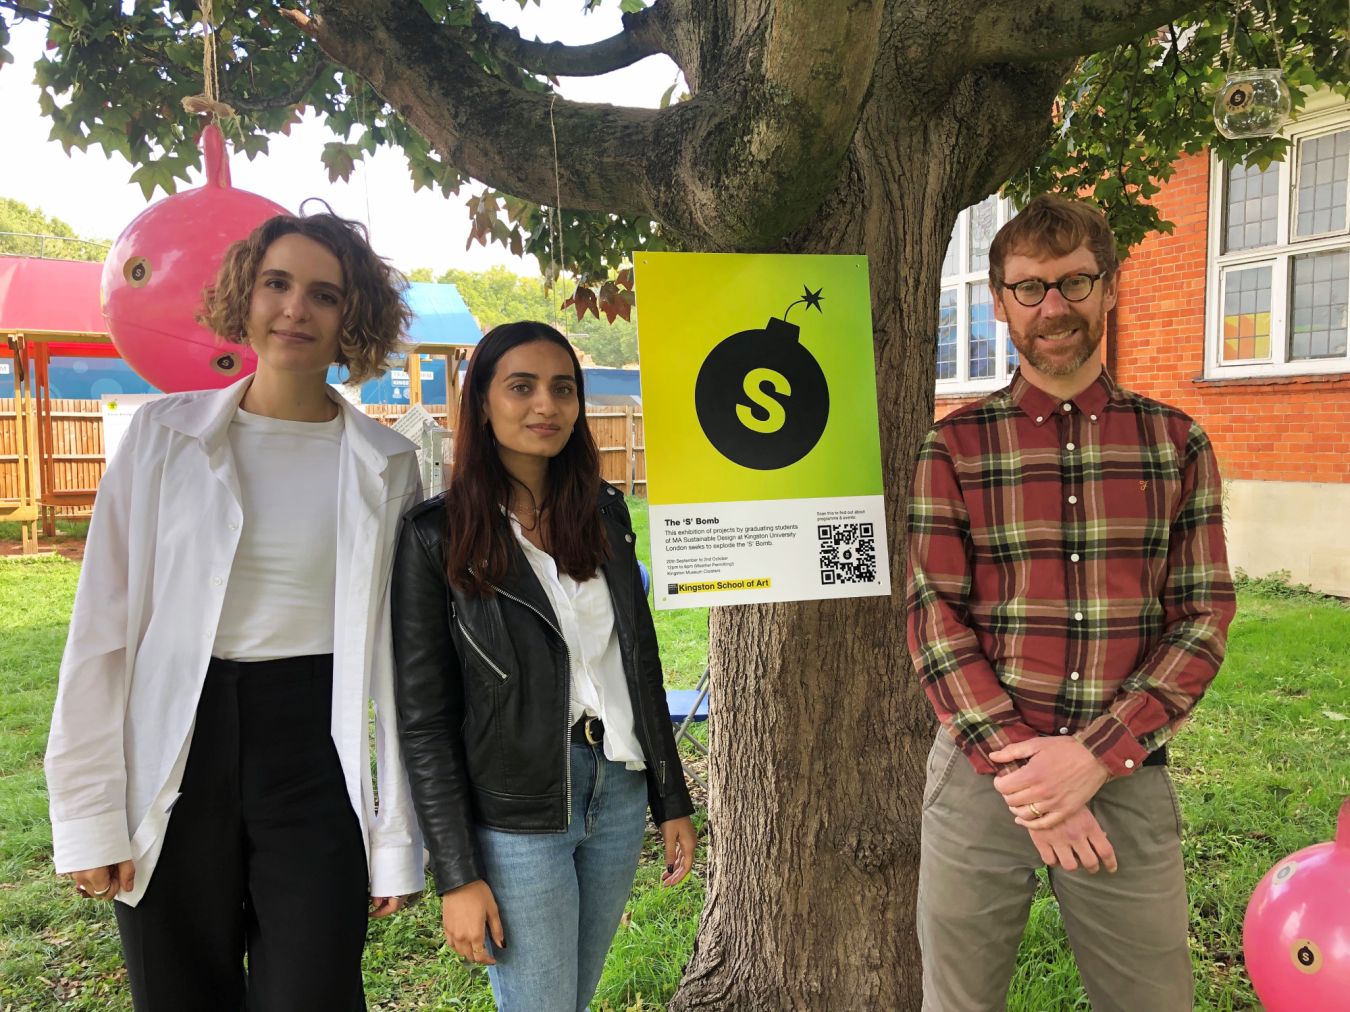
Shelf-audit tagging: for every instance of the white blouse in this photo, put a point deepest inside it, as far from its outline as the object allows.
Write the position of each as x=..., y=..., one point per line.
x=586, y=620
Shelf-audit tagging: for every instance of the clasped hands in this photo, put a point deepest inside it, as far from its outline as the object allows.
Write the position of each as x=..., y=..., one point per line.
x=1048, y=797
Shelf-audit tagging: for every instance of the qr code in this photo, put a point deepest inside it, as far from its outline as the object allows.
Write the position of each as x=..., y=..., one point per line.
x=848, y=553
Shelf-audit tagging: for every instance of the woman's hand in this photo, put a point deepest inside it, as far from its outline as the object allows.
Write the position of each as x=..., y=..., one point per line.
x=383, y=906
x=464, y=912
x=105, y=883
x=680, y=841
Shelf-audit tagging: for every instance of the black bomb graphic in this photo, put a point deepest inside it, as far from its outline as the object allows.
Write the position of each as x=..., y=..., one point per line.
x=761, y=396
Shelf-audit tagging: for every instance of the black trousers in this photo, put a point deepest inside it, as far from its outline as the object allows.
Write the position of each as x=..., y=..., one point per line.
x=262, y=857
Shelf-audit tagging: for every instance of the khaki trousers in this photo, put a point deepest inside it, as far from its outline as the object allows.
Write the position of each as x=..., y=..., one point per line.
x=977, y=877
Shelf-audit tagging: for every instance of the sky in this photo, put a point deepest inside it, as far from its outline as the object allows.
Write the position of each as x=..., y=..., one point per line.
x=91, y=192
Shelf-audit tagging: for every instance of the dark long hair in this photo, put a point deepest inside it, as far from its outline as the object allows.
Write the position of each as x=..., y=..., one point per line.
x=478, y=535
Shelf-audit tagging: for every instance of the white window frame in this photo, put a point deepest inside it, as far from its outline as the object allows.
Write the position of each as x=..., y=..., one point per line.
x=1323, y=114
x=961, y=384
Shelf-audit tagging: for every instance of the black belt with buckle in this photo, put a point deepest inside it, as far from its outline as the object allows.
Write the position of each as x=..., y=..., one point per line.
x=589, y=731
x=1158, y=757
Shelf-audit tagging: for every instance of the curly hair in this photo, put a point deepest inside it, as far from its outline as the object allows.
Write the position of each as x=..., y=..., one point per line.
x=374, y=316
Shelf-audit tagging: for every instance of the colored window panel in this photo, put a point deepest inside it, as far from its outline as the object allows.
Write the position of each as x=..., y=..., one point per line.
x=1246, y=314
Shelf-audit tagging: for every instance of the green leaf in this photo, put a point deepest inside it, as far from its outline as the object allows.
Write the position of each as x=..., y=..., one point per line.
x=339, y=158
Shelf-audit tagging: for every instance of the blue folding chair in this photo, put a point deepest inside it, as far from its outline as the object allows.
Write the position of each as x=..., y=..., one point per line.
x=690, y=706
x=687, y=706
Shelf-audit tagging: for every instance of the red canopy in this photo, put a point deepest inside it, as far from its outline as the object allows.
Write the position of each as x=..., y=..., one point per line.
x=53, y=296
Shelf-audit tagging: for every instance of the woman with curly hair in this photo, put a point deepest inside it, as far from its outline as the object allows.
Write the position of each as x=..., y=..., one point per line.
x=209, y=761
x=533, y=716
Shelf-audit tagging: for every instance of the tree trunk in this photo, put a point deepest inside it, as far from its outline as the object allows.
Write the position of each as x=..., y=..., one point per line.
x=816, y=788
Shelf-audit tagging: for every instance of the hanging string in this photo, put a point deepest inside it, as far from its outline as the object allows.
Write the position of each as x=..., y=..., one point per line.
x=1230, y=42
x=556, y=268
x=209, y=100
x=1274, y=31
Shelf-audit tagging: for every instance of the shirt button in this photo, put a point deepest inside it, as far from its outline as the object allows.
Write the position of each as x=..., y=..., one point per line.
x=1078, y=616
x=1063, y=730
x=613, y=491
x=1070, y=446
x=1093, y=417
x=1073, y=499
x=628, y=538
x=1039, y=419
x=1074, y=676
x=1129, y=764
x=1068, y=407
x=217, y=580
x=234, y=527
x=1073, y=557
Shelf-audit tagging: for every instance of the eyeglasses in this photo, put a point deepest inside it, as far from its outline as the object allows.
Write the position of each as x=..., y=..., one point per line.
x=1074, y=288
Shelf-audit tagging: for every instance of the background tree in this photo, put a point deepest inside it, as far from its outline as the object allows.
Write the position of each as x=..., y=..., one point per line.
x=26, y=231
x=498, y=295
x=810, y=127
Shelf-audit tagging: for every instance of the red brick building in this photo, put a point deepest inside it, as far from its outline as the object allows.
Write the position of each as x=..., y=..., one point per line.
x=1239, y=318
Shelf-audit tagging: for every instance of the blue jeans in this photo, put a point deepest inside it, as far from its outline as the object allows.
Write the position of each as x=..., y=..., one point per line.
x=561, y=894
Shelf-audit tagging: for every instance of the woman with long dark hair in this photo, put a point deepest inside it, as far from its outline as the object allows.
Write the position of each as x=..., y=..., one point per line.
x=210, y=757
x=530, y=698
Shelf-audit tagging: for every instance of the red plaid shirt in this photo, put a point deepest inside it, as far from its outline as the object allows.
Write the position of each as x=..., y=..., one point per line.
x=1067, y=571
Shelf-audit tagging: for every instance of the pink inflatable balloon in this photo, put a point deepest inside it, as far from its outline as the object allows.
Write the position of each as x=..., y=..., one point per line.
x=1296, y=936
x=154, y=276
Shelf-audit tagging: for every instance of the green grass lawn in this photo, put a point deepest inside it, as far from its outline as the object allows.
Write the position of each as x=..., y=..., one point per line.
x=1260, y=771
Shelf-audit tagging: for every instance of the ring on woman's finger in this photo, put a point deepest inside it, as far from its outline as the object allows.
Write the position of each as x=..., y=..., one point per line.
x=101, y=892
x=1035, y=811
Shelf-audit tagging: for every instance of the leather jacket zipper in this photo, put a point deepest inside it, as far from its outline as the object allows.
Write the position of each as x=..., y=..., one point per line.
x=480, y=651
x=567, y=708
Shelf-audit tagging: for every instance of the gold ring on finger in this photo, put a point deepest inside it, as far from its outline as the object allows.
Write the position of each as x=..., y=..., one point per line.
x=1034, y=810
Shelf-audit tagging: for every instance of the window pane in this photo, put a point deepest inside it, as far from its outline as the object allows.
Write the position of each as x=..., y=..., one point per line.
x=1322, y=169
x=983, y=225
x=946, y=335
x=949, y=262
x=982, y=333
x=1318, y=321
x=1252, y=207
x=1014, y=359
x=1246, y=314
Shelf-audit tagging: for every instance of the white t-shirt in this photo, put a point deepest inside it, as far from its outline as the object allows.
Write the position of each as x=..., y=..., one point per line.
x=586, y=619
x=279, y=600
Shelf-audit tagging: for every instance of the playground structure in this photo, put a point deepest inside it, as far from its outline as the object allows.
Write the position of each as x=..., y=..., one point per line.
x=50, y=308
x=47, y=308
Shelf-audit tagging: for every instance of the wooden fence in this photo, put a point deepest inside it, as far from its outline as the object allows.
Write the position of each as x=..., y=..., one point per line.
x=77, y=444
x=77, y=449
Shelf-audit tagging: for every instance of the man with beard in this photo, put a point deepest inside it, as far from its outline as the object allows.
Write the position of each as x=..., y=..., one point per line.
x=1068, y=601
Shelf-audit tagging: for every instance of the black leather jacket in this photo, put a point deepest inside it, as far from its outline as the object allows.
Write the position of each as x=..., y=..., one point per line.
x=484, y=688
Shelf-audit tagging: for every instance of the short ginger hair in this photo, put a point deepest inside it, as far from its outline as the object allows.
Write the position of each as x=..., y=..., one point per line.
x=1054, y=225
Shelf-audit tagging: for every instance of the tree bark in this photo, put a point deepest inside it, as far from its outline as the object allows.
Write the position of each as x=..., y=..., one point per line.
x=821, y=729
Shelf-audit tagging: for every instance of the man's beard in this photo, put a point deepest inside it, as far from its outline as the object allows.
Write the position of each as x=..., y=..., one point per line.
x=1084, y=344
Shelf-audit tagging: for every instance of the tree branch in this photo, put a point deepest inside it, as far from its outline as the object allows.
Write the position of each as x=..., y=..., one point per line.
x=1018, y=32
x=643, y=35
x=489, y=128
x=283, y=100
x=25, y=13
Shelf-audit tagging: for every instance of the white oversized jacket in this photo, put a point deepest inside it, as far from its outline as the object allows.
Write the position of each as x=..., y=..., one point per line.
x=160, y=549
